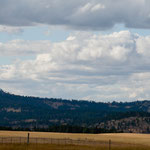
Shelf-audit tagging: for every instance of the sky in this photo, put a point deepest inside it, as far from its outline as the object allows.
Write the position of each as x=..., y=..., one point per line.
x=76, y=49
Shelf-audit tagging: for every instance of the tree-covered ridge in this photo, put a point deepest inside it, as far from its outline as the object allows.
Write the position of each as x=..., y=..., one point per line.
x=34, y=112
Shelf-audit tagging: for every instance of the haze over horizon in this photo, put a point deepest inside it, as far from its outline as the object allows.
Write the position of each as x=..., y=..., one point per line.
x=92, y=50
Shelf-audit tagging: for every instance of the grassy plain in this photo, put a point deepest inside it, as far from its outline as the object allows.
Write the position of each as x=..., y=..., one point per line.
x=120, y=141
x=143, y=139
x=67, y=147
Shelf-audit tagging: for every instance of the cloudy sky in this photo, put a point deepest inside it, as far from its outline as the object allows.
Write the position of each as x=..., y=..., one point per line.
x=76, y=49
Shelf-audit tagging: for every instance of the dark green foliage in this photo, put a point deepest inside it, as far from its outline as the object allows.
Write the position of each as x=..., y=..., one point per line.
x=45, y=113
x=64, y=129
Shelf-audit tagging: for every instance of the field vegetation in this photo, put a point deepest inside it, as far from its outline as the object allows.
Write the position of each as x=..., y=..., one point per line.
x=119, y=141
x=68, y=147
x=143, y=139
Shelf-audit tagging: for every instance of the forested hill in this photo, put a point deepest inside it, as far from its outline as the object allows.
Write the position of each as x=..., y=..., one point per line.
x=33, y=112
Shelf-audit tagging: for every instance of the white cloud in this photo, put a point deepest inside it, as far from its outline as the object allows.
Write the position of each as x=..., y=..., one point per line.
x=84, y=66
x=143, y=45
x=97, y=7
x=90, y=7
x=85, y=8
x=22, y=47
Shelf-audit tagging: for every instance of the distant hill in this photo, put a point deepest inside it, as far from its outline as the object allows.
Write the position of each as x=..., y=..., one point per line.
x=35, y=113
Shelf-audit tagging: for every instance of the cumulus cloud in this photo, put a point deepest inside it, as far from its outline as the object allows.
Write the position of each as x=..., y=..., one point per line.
x=20, y=47
x=79, y=14
x=84, y=66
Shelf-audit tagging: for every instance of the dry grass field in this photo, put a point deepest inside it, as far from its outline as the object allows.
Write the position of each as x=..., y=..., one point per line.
x=120, y=141
x=67, y=147
x=143, y=139
x=47, y=147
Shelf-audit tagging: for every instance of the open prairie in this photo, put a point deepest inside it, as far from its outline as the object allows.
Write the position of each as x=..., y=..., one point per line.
x=124, y=138
x=119, y=141
x=67, y=147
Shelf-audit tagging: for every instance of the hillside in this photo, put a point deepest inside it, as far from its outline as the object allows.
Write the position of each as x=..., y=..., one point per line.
x=34, y=112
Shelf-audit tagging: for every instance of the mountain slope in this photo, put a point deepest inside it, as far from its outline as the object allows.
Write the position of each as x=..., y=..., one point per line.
x=21, y=111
